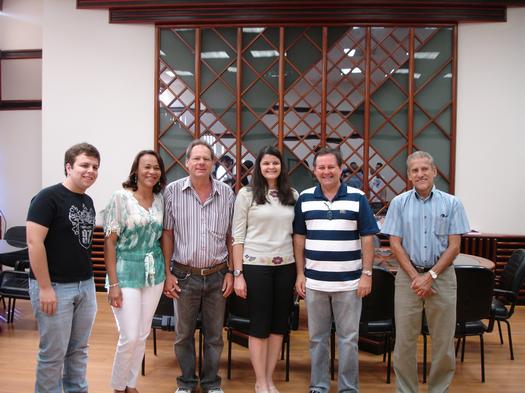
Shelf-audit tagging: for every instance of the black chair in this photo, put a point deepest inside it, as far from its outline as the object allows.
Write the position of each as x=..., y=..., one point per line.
x=377, y=317
x=164, y=319
x=475, y=289
x=507, y=291
x=16, y=236
x=237, y=323
x=13, y=285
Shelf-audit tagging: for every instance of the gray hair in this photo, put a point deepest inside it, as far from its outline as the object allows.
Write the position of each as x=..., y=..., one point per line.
x=420, y=154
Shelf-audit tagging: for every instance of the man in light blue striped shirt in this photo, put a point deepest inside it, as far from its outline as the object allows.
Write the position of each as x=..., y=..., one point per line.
x=425, y=227
x=333, y=236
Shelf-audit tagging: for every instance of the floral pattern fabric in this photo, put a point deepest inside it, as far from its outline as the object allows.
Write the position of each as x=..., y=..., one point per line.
x=140, y=262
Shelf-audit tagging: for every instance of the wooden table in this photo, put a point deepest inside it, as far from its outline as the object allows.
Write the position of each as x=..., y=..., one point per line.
x=386, y=259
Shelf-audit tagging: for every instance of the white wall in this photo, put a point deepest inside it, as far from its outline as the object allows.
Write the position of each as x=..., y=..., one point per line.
x=491, y=124
x=20, y=131
x=21, y=24
x=20, y=160
x=98, y=87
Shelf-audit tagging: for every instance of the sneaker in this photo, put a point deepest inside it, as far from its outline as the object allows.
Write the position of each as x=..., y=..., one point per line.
x=183, y=390
x=215, y=390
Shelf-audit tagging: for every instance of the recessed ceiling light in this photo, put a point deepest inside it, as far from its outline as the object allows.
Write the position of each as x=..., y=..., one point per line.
x=349, y=52
x=253, y=29
x=215, y=55
x=183, y=73
x=426, y=55
x=264, y=53
x=355, y=70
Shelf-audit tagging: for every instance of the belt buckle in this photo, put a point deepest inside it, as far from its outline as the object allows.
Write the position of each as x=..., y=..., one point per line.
x=204, y=271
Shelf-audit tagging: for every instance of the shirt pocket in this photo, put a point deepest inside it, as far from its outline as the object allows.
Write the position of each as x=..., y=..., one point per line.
x=442, y=225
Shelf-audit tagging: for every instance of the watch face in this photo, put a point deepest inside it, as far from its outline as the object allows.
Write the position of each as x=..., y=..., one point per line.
x=237, y=273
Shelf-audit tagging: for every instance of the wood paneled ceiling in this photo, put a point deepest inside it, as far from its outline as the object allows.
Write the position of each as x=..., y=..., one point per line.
x=278, y=12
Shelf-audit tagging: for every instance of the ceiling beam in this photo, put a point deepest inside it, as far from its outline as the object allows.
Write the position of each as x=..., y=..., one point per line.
x=273, y=12
x=107, y=4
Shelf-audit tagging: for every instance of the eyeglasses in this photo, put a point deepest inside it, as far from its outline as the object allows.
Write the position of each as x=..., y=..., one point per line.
x=329, y=213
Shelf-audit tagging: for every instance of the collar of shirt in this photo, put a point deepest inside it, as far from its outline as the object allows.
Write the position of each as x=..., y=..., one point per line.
x=318, y=192
x=187, y=185
x=428, y=197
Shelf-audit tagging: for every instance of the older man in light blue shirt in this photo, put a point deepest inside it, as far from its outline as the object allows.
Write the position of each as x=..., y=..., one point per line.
x=425, y=227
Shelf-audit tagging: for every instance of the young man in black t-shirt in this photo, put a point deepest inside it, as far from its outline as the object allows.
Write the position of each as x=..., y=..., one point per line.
x=60, y=225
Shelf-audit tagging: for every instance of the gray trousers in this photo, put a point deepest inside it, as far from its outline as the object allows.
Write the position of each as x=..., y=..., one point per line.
x=204, y=293
x=440, y=311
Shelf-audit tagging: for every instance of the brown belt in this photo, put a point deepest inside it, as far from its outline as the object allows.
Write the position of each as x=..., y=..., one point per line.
x=205, y=271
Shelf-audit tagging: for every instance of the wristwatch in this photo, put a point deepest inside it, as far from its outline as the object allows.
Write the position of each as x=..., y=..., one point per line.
x=367, y=272
x=433, y=274
x=237, y=273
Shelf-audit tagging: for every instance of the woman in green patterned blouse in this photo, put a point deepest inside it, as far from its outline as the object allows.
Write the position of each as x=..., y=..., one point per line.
x=134, y=263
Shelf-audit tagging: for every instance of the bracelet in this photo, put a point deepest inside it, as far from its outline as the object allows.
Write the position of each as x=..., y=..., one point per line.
x=113, y=285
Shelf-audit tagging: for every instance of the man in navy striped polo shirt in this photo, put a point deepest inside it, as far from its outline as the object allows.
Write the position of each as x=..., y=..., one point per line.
x=334, y=252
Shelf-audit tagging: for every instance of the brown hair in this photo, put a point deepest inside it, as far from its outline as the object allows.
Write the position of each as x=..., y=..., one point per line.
x=329, y=150
x=80, y=148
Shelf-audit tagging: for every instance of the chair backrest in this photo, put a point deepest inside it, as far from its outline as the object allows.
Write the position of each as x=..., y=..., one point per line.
x=379, y=304
x=14, y=284
x=165, y=306
x=237, y=306
x=17, y=233
x=514, y=272
x=474, y=293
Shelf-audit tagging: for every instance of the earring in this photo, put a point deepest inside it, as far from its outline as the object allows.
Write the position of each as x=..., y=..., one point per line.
x=134, y=179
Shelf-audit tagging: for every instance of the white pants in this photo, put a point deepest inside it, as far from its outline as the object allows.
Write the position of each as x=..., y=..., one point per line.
x=134, y=324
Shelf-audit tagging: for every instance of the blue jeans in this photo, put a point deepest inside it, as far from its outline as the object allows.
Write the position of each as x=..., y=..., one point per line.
x=62, y=356
x=202, y=293
x=346, y=310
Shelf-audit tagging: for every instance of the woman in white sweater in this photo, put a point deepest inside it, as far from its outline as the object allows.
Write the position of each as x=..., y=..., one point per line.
x=264, y=261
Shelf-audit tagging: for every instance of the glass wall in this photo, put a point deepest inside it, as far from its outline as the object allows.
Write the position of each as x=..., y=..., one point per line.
x=376, y=92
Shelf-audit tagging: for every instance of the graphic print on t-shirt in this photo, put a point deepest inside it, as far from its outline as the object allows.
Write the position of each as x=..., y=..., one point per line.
x=83, y=222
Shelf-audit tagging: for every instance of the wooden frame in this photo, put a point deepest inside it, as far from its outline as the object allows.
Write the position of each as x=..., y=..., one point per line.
x=21, y=54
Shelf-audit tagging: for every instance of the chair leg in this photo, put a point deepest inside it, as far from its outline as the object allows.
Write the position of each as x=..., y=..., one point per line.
x=482, y=351
x=458, y=341
x=387, y=340
x=144, y=365
x=332, y=354
x=385, y=343
x=154, y=341
x=228, y=335
x=510, y=340
x=287, y=361
x=424, y=358
x=13, y=310
x=10, y=309
x=201, y=352
x=500, y=334
x=463, y=349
